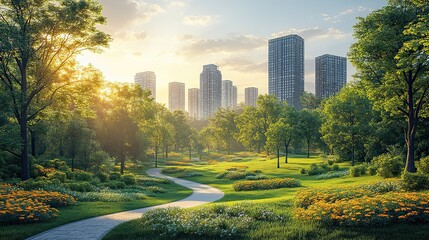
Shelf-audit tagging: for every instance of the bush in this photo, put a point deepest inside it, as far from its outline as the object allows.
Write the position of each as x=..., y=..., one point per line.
x=57, y=175
x=102, y=176
x=371, y=170
x=357, y=171
x=83, y=176
x=423, y=165
x=414, y=181
x=186, y=174
x=115, y=185
x=169, y=170
x=266, y=184
x=331, y=162
x=335, y=167
x=330, y=175
x=37, y=170
x=303, y=171
x=129, y=179
x=115, y=176
x=234, y=175
x=55, y=163
x=256, y=177
x=149, y=181
x=389, y=165
x=80, y=186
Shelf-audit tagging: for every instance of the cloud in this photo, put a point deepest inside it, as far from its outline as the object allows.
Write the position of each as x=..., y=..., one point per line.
x=125, y=35
x=313, y=33
x=176, y=3
x=238, y=43
x=243, y=65
x=197, y=20
x=337, y=18
x=121, y=13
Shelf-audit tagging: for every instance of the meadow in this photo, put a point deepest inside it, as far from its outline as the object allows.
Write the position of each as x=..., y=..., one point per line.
x=279, y=204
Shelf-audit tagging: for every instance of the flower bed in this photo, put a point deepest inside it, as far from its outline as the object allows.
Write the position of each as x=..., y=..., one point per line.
x=266, y=184
x=20, y=206
x=369, y=210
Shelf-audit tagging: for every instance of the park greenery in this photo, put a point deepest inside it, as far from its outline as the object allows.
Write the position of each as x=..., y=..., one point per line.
x=73, y=141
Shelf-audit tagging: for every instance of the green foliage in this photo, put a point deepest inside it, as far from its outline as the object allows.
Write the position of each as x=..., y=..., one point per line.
x=256, y=177
x=303, y=171
x=316, y=169
x=186, y=174
x=234, y=175
x=371, y=170
x=80, y=186
x=57, y=175
x=103, y=177
x=170, y=170
x=115, y=176
x=330, y=175
x=423, y=165
x=129, y=179
x=414, y=181
x=266, y=184
x=335, y=167
x=389, y=165
x=83, y=176
x=358, y=171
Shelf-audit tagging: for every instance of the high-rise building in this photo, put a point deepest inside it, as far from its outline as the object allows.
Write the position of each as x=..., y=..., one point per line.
x=234, y=97
x=250, y=96
x=286, y=68
x=210, y=90
x=331, y=75
x=227, y=94
x=193, y=100
x=176, y=96
x=146, y=80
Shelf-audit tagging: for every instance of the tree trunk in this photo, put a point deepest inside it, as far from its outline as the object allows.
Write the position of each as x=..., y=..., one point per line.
x=33, y=143
x=286, y=151
x=25, y=166
x=278, y=157
x=308, y=148
x=411, y=135
x=156, y=157
x=122, y=159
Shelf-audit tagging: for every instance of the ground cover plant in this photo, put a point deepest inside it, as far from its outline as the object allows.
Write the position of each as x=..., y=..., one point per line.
x=266, y=184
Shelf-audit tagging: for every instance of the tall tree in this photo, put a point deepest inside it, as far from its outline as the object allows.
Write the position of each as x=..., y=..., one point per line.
x=224, y=126
x=391, y=56
x=346, y=127
x=38, y=38
x=309, y=123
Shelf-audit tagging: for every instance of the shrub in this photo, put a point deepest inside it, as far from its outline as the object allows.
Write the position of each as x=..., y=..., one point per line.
x=222, y=174
x=102, y=176
x=335, y=167
x=115, y=176
x=257, y=171
x=80, y=186
x=423, y=165
x=357, y=171
x=414, y=181
x=129, y=179
x=115, y=185
x=234, y=175
x=330, y=175
x=37, y=170
x=266, y=184
x=57, y=175
x=186, y=174
x=331, y=162
x=318, y=169
x=149, y=181
x=55, y=163
x=389, y=165
x=371, y=170
x=303, y=171
x=83, y=176
x=256, y=177
x=169, y=170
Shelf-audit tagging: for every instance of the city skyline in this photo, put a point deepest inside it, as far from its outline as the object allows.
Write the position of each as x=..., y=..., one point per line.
x=175, y=38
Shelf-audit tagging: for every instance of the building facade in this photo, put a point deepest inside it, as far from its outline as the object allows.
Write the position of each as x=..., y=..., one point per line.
x=234, y=97
x=210, y=90
x=176, y=96
x=147, y=81
x=227, y=94
x=331, y=75
x=286, y=68
x=250, y=96
x=193, y=103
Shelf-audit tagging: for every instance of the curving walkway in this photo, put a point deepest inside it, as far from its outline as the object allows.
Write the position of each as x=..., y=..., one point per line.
x=97, y=227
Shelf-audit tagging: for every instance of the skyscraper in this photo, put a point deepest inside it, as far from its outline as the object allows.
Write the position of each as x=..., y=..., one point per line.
x=176, y=96
x=250, y=96
x=331, y=75
x=286, y=68
x=210, y=90
x=234, y=97
x=146, y=80
x=193, y=100
x=227, y=94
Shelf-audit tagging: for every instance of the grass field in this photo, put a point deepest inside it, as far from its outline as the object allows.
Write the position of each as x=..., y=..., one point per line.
x=279, y=199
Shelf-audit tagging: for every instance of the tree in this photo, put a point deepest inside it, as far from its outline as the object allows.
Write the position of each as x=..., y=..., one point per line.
x=391, y=56
x=309, y=123
x=346, y=127
x=224, y=127
x=310, y=101
x=38, y=38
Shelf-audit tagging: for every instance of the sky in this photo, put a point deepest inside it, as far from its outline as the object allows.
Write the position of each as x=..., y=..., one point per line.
x=175, y=38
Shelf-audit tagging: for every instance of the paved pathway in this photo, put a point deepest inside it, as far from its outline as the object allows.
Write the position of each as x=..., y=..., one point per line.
x=97, y=227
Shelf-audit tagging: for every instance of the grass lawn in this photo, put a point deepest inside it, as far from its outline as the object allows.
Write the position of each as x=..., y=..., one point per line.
x=279, y=199
x=85, y=210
